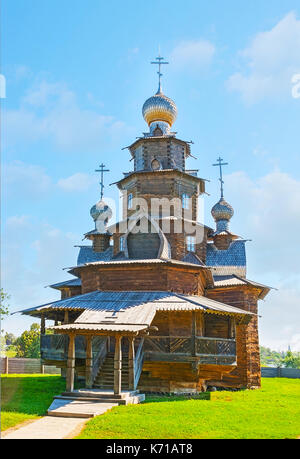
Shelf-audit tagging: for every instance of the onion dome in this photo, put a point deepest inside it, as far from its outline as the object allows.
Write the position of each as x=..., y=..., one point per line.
x=222, y=211
x=101, y=213
x=159, y=108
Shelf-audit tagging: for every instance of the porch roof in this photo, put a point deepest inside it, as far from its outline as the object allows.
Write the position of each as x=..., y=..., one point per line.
x=130, y=311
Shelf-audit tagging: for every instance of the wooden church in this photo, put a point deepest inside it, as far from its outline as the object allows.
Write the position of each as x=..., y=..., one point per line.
x=158, y=302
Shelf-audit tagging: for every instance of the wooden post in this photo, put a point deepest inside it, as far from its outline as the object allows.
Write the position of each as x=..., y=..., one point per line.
x=43, y=325
x=71, y=364
x=6, y=365
x=118, y=365
x=89, y=362
x=201, y=330
x=232, y=328
x=66, y=318
x=193, y=338
x=131, y=363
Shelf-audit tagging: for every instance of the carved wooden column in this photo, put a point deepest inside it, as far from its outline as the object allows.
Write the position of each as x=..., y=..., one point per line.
x=131, y=367
x=118, y=365
x=89, y=362
x=71, y=364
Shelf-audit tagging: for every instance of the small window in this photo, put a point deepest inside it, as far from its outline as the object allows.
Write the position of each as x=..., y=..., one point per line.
x=129, y=201
x=190, y=244
x=122, y=244
x=185, y=201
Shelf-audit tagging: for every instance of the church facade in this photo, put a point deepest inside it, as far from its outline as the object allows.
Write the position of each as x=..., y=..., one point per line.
x=158, y=301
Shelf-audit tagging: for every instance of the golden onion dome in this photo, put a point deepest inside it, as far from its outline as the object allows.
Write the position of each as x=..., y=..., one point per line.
x=159, y=108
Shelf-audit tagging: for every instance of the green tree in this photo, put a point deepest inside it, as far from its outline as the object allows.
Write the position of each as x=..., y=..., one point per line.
x=4, y=308
x=28, y=344
x=291, y=360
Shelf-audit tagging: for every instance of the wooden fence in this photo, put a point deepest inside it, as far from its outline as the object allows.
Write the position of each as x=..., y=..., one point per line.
x=13, y=365
x=271, y=372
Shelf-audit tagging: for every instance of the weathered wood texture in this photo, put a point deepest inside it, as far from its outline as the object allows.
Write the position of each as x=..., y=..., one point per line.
x=143, y=277
x=248, y=372
x=15, y=365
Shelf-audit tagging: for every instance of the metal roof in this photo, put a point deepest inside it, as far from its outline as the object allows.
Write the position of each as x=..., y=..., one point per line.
x=131, y=308
x=233, y=279
x=69, y=283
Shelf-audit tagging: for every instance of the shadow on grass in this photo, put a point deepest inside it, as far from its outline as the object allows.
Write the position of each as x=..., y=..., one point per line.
x=29, y=394
x=177, y=398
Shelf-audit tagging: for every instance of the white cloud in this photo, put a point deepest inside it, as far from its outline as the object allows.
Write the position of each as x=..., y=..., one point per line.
x=272, y=59
x=77, y=182
x=32, y=181
x=31, y=262
x=193, y=55
x=26, y=180
x=267, y=210
x=50, y=112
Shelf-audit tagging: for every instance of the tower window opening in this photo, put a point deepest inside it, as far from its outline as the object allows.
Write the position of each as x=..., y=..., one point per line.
x=129, y=201
x=190, y=244
x=185, y=201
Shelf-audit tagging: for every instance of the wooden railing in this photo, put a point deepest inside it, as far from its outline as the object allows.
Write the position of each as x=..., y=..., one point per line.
x=55, y=347
x=138, y=363
x=99, y=356
x=181, y=348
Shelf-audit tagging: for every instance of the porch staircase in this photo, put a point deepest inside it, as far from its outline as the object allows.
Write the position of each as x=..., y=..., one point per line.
x=105, y=375
x=87, y=403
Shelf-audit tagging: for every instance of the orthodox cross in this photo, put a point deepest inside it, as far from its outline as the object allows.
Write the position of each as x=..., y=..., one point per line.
x=102, y=170
x=160, y=62
x=220, y=164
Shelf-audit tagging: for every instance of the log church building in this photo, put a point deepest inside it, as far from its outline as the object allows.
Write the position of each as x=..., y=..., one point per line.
x=158, y=302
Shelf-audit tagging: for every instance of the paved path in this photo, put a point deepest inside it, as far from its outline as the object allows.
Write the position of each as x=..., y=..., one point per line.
x=47, y=428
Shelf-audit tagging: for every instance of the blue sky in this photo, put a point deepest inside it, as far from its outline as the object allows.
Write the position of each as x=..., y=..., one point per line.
x=77, y=74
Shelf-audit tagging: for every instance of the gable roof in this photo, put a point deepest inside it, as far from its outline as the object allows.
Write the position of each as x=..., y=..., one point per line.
x=232, y=280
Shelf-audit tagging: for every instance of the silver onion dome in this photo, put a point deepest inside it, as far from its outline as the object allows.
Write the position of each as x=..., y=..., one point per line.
x=159, y=108
x=222, y=210
x=101, y=213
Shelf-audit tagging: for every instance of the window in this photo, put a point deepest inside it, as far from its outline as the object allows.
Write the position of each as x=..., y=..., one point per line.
x=185, y=201
x=122, y=244
x=190, y=243
x=129, y=201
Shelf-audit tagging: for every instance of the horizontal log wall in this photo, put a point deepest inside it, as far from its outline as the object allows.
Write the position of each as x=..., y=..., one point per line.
x=151, y=277
x=248, y=372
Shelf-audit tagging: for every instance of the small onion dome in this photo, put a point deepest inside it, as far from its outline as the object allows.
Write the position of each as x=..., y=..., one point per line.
x=222, y=210
x=101, y=211
x=159, y=108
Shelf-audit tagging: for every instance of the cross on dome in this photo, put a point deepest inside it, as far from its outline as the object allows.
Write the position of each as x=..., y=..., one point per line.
x=159, y=62
x=102, y=170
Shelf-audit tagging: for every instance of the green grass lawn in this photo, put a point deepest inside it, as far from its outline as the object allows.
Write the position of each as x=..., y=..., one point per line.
x=271, y=412
x=25, y=397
